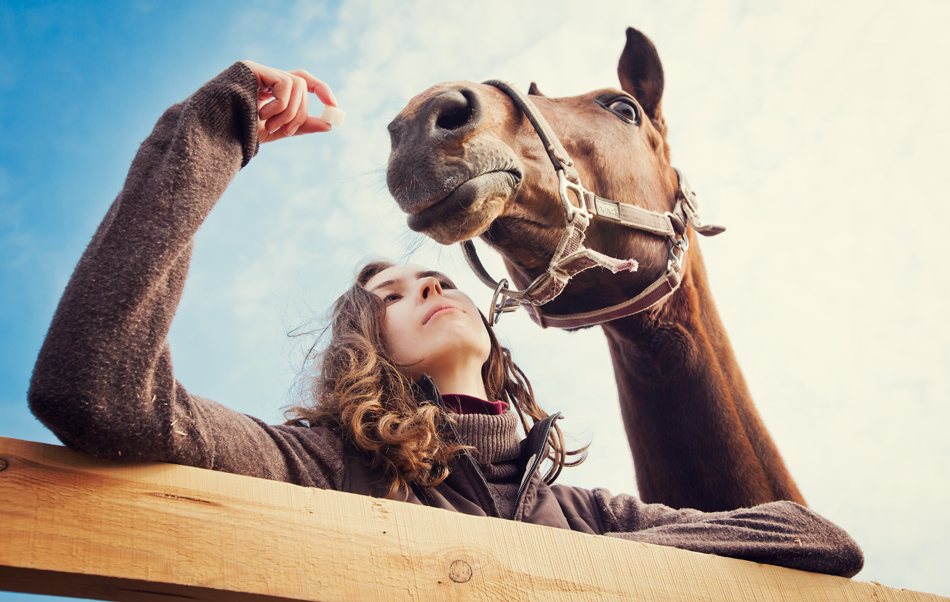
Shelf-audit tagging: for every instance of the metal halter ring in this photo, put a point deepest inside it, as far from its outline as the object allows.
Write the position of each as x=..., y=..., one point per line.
x=676, y=259
x=503, y=306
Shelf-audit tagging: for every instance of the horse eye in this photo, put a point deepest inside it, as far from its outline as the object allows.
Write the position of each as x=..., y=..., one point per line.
x=624, y=109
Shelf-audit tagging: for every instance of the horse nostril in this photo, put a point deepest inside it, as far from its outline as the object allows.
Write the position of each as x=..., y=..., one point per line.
x=455, y=109
x=454, y=118
x=395, y=128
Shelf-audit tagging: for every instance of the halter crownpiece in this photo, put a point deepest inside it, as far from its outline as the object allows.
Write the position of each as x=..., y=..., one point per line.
x=571, y=257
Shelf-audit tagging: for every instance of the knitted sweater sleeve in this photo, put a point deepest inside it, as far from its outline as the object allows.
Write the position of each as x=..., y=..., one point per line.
x=103, y=380
x=779, y=533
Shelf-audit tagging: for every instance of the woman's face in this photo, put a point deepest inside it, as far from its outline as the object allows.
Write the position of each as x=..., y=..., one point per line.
x=431, y=327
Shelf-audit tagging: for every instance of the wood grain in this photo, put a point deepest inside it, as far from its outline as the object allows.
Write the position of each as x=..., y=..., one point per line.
x=72, y=525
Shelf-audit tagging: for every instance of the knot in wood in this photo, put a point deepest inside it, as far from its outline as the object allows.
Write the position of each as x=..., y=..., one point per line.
x=460, y=571
x=3, y=464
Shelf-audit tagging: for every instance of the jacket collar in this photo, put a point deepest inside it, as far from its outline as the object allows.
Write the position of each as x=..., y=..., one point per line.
x=533, y=450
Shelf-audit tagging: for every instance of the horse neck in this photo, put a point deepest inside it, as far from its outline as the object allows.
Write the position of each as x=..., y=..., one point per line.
x=696, y=437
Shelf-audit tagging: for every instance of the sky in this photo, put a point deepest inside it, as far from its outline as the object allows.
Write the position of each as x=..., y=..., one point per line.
x=816, y=131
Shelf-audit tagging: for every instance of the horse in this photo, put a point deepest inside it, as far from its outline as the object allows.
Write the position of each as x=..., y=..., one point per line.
x=565, y=190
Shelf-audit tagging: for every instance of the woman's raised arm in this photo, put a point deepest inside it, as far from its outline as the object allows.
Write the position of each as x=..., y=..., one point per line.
x=103, y=380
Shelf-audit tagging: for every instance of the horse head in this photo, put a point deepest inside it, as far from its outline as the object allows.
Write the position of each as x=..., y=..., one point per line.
x=466, y=162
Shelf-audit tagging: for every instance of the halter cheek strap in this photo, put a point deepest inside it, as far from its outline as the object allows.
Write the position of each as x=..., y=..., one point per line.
x=571, y=257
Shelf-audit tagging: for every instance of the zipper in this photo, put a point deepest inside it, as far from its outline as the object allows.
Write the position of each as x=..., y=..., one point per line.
x=471, y=460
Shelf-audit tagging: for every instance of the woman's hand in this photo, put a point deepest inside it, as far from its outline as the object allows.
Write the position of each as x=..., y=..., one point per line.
x=283, y=104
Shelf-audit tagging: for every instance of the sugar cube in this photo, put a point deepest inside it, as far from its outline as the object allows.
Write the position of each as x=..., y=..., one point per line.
x=333, y=115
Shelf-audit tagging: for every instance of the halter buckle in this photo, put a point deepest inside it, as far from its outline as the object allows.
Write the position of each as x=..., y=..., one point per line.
x=501, y=306
x=563, y=185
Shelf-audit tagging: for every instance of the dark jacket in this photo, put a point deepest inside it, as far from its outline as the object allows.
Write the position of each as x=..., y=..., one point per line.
x=103, y=381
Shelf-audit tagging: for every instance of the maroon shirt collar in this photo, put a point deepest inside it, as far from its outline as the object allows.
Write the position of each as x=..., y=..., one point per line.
x=466, y=404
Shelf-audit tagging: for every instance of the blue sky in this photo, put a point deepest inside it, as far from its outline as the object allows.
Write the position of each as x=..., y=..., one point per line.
x=801, y=124
x=63, y=158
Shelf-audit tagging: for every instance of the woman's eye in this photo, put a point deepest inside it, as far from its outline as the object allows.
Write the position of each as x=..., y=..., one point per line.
x=391, y=298
x=446, y=284
x=624, y=108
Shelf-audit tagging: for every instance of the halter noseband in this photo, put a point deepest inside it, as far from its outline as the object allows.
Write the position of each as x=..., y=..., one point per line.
x=571, y=257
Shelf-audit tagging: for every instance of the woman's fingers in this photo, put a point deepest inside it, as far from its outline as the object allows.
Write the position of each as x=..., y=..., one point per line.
x=318, y=87
x=289, y=97
x=283, y=102
x=283, y=91
x=311, y=125
x=314, y=124
x=300, y=113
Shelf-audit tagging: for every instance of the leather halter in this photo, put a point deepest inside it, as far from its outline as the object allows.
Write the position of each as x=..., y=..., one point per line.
x=571, y=257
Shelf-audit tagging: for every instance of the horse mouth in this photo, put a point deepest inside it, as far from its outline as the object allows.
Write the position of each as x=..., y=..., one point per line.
x=469, y=209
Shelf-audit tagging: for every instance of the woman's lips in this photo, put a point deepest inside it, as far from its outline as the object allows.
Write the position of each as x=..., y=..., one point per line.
x=438, y=310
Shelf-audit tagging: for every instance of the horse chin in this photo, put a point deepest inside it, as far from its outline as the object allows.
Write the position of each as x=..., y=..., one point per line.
x=468, y=210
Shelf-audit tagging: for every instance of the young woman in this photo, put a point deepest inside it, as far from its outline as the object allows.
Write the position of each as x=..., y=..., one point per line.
x=414, y=398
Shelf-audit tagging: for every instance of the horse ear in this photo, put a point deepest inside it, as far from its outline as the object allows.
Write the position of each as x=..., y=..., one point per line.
x=533, y=90
x=641, y=74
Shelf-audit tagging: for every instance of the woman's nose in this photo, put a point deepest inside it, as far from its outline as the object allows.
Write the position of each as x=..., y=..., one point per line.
x=429, y=286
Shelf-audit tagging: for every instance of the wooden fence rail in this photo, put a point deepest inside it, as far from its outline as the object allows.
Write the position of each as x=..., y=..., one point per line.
x=74, y=526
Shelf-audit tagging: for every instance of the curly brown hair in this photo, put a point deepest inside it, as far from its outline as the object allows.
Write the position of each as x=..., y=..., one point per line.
x=358, y=389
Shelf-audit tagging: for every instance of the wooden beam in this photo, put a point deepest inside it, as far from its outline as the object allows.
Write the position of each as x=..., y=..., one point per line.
x=71, y=525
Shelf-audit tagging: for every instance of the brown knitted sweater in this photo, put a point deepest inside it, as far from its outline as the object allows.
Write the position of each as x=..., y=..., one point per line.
x=103, y=381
